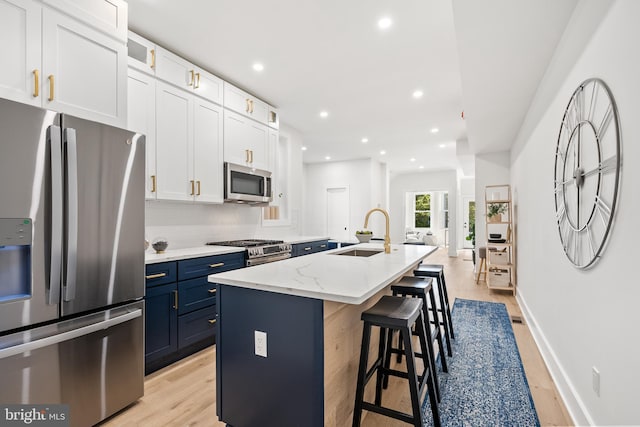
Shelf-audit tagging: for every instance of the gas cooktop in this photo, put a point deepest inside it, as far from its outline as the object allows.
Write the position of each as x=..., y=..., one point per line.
x=249, y=243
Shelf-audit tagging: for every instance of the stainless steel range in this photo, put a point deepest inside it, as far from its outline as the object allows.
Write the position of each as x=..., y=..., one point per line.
x=260, y=251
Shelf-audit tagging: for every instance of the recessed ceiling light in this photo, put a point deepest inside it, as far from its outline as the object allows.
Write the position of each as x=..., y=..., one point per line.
x=365, y=140
x=384, y=23
x=258, y=67
x=442, y=145
x=382, y=152
x=418, y=94
x=324, y=114
x=304, y=148
x=413, y=159
x=421, y=167
x=435, y=130
x=327, y=157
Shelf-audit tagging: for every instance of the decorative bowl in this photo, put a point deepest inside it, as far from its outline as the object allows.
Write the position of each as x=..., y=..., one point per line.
x=364, y=238
x=160, y=244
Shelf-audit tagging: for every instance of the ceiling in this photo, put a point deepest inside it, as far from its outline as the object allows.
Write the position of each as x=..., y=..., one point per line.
x=330, y=55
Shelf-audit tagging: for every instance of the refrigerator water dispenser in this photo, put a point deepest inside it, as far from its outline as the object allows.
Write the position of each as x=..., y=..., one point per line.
x=15, y=258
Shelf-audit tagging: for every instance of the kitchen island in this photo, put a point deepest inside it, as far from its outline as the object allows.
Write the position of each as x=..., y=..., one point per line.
x=303, y=314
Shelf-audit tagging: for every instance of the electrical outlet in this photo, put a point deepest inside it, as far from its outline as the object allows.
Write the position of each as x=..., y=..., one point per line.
x=260, y=343
x=595, y=380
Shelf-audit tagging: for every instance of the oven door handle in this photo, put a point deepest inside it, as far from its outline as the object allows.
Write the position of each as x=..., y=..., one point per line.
x=266, y=259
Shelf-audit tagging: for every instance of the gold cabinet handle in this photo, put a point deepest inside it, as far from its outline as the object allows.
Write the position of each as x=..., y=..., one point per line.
x=307, y=249
x=197, y=81
x=220, y=264
x=153, y=58
x=155, y=276
x=175, y=300
x=250, y=156
x=192, y=74
x=213, y=321
x=212, y=291
x=251, y=102
x=246, y=153
x=52, y=84
x=36, y=83
x=323, y=246
x=154, y=184
x=198, y=184
x=248, y=105
x=193, y=187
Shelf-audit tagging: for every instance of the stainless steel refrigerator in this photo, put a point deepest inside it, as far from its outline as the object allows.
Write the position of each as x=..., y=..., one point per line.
x=71, y=263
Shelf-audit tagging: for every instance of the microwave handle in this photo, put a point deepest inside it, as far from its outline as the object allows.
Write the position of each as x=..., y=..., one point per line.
x=267, y=189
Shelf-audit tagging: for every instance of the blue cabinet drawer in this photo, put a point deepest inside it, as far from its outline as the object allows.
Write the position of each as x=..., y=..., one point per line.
x=321, y=245
x=196, y=326
x=195, y=294
x=198, y=267
x=307, y=248
x=161, y=273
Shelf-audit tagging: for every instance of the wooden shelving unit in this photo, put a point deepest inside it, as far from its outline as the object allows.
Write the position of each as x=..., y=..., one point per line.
x=501, y=262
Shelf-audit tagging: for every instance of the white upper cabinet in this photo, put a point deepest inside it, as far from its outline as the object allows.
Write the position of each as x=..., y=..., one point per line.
x=107, y=16
x=246, y=141
x=84, y=71
x=189, y=146
x=207, y=151
x=248, y=105
x=184, y=75
x=61, y=62
x=142, y=53
x=141, y=118
x=20, y=36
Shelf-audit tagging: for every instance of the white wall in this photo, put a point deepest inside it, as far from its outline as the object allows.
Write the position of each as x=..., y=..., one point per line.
x=422, y=182
x=491, y=169
x=364, y=178
x=188, y=224
x=583, y=319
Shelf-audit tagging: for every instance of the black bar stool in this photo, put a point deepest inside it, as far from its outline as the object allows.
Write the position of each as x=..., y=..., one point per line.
x=436, y=271
x=395, y=314
x=420, y=287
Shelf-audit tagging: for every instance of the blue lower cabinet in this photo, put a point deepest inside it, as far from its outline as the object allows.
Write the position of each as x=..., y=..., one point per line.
x=161, y=322
x=300, y=249
x=197, y=326
x=180, y=316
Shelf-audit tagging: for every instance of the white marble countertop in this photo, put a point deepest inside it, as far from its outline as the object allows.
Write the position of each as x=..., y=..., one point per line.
x=186, y=253
x=323, y=275
x=303, y=239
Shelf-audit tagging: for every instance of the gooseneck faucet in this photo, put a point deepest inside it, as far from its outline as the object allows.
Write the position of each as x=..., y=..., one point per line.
x=387, y=240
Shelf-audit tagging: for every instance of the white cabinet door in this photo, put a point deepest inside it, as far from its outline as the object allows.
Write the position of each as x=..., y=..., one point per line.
x=258, y=143
x=208, y=86
x=174, y=124
x=141, y=117
x=173, y=69
x=248, y=105
x=20, y=71
x=246, y=141
x=107, y=16
x=207, y=150
x=84, y=71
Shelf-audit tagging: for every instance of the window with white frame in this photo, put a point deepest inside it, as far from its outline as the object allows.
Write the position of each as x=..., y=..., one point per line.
x=422, y=210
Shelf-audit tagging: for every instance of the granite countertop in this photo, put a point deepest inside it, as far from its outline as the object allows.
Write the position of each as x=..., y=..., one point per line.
x=323, y=275
x=186, y=253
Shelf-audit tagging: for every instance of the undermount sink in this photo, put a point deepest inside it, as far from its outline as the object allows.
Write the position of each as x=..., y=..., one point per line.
x=359, y=252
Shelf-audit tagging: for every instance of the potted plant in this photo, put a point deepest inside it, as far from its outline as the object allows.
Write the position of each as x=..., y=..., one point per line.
x=495, y=211
x=364, y=236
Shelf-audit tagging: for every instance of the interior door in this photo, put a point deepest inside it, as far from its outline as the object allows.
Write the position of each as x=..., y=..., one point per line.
x=469, y=221
x=338, y=213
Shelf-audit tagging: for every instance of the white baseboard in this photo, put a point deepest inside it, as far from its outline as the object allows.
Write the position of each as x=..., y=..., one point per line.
x=575, y=406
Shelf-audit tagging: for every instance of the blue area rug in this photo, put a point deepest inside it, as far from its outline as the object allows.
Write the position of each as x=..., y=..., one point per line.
x=486, y=384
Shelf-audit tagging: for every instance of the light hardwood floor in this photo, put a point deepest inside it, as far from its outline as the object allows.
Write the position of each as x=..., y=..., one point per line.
x=184, y=393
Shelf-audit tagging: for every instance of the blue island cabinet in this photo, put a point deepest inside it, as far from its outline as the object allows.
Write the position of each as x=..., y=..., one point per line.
x=181, y=311
x=286, y=387
x=300, y=249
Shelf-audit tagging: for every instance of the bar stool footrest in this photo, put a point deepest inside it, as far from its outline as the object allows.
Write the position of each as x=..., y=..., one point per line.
x=388, y=412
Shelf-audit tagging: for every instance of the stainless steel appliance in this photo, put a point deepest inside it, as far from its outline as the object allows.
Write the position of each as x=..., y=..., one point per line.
x=71, y=263
x=243, y=184
x=260, y=251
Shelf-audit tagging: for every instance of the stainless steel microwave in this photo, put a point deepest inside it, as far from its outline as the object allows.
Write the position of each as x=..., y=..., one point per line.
x=243, y=184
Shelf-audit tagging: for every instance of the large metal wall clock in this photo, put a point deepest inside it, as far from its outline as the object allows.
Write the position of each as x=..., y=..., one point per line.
x=587, y=172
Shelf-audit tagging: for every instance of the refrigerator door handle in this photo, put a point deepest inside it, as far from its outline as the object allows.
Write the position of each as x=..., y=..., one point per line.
x=72, y=213
x=69, y=335
x=55, y=273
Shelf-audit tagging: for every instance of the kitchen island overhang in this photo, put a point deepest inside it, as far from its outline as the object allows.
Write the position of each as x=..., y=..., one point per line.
x=309, y=307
